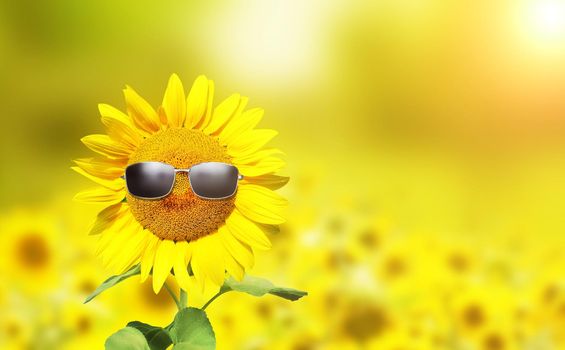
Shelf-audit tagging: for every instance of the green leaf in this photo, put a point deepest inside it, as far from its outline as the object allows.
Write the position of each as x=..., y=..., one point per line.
x=257, y=286
x=288, y=293
x=158, y=338
x=126, y=339
x=112, y=281
x=192, y=330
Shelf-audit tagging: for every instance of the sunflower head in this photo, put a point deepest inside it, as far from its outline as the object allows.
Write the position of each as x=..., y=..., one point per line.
x=182, y=231
x=30, y=250
x=182, y=215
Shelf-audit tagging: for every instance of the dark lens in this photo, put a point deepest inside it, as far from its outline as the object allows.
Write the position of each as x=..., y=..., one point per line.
x=213, y=180
x=150, y=179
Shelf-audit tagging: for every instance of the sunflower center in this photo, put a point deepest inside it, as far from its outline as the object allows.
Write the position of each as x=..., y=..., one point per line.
x=83, y=324
x=473, y=316
x=182, y=215
x=363, y=322
x=32, y=251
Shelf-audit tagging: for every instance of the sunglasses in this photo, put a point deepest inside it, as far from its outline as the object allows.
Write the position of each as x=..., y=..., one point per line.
x=155, y=180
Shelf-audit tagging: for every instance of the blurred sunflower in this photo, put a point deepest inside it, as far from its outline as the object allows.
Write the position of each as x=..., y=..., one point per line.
x=480, y=306
x=497, y=337
x=30, y=251
x=82, y=325
x=182, y=231
x=15, y=332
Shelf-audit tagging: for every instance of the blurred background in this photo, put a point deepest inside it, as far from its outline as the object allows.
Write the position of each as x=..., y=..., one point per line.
x=425, y=143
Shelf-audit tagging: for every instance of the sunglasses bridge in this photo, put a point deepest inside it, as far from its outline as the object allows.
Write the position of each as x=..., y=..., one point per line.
x=239, y=176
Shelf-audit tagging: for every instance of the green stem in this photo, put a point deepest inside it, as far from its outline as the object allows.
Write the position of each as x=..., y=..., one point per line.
x=173, y=295
x=183, y=298
x=222, y=291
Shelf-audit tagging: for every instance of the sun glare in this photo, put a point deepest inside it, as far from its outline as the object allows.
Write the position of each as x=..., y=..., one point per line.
x=547, y=18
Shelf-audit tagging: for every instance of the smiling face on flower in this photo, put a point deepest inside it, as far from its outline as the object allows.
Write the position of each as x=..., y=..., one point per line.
x=181, y=228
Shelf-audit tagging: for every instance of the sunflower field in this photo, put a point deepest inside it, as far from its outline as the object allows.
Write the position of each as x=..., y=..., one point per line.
x=403, y=172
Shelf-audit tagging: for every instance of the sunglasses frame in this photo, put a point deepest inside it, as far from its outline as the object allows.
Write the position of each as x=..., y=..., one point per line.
x=187, y=171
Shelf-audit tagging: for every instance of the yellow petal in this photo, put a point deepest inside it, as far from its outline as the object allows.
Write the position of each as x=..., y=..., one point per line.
x=208, y=115
x=114, y=185
x=207, y=261
x=269, y=229
x=111, y=112
x=121, y=133
x=241, y=252
x=196, y=298
x=111, y=250
x=107, y=217
x=105, y=146
x=108, y=236
x=201, y=291
x=143, y=115
x=174, y=102
x=247, y=231
x=162, y=116
x=250, y=141
x=260, y=204
x=100, y=195
x=182, y=256
x=240, y=124
x=164, y=259
x=196, y=263
x=148, y=256
x=265, y=166
x=130, y=249
x=256, y=156
x=272, y=182
x=197, y=101
x=112, y=244
x=119, y=126
x=210, y=288
x=104, y=240
x=103, y=168
x=233, y=267
x=138, y=241
x=223, y=113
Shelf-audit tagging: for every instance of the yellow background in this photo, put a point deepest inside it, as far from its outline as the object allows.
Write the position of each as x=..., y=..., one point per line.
x=424, y=141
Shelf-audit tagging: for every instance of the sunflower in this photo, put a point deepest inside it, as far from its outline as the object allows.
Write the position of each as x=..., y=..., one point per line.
x=15, y=332
x=30, y=251
x=81, y=325
x=200, y=240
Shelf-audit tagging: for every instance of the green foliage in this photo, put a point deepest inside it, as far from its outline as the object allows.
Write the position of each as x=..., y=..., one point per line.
x=191, y=329
x=127, y=338
x=112, y=281
x=259, y=286
x=157, y=338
